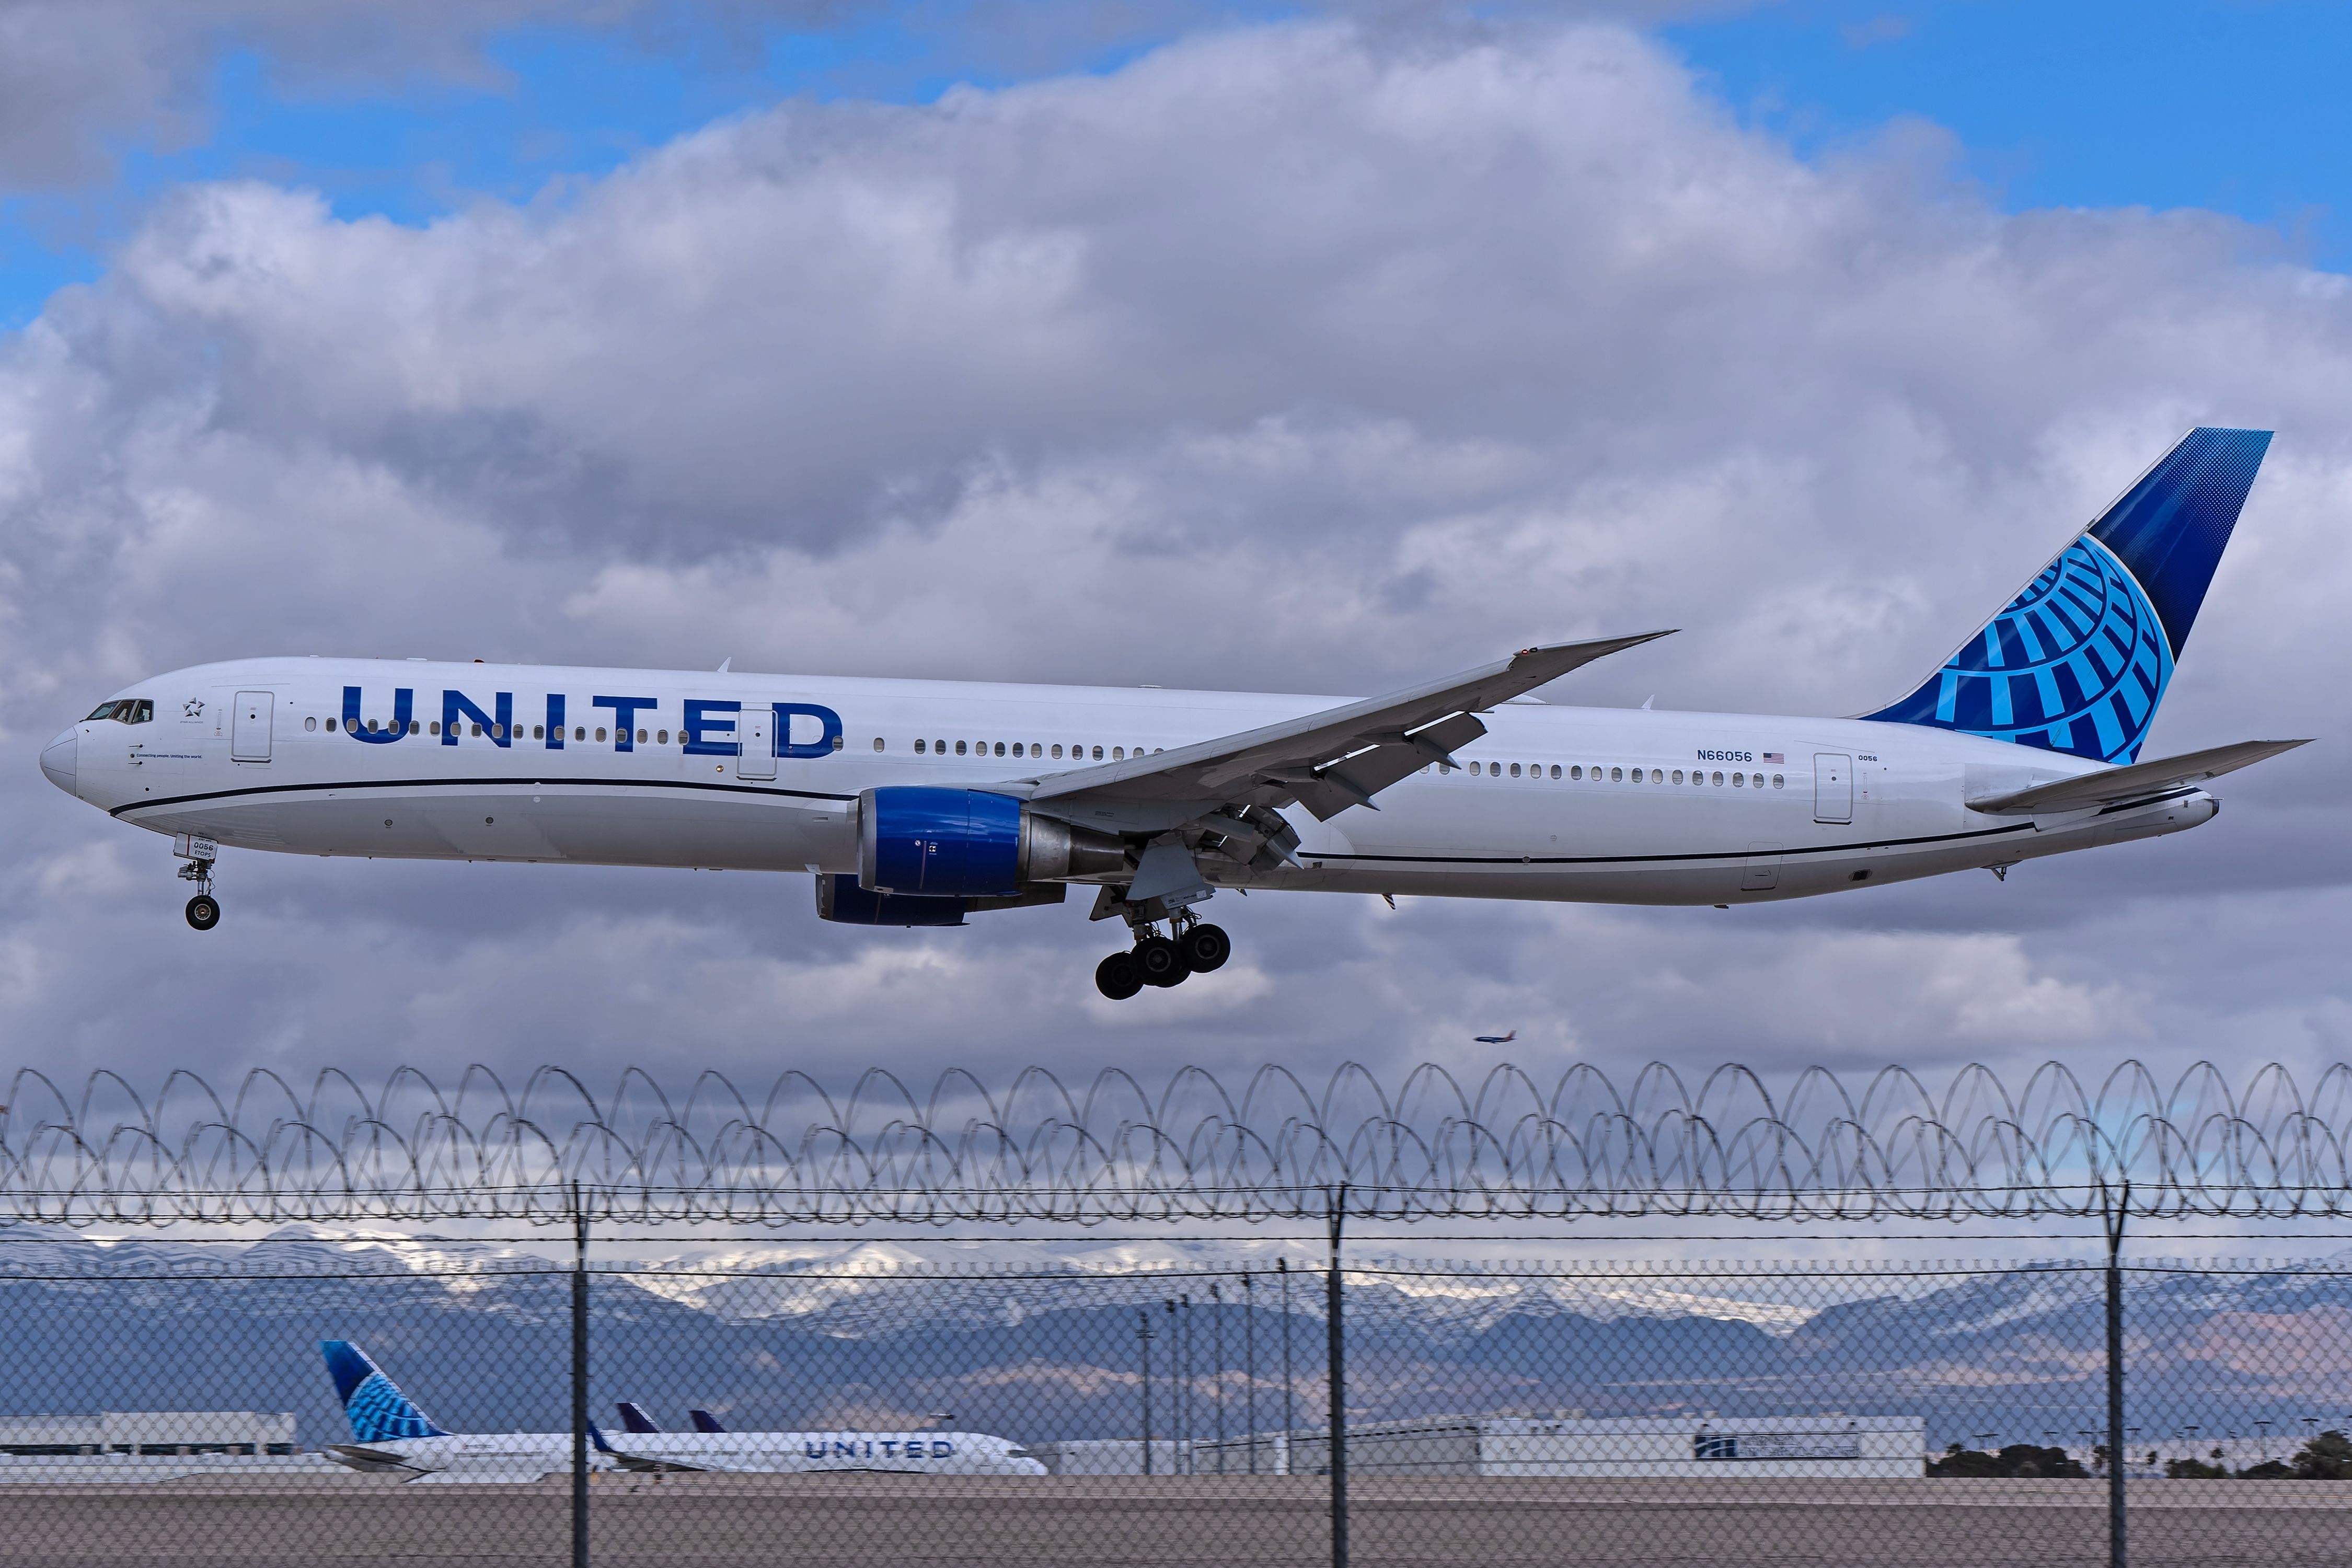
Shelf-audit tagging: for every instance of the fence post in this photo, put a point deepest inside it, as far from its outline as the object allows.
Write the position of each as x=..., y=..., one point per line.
x=579, y=1380
x=1144, y=1338
x=1289, y=1388
x=1217, y=1365
x=2113, y=1215
x=1336, y=1359
x=1249, y=1367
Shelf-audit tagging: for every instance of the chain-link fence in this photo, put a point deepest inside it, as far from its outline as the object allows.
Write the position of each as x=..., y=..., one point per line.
x=331, y=1402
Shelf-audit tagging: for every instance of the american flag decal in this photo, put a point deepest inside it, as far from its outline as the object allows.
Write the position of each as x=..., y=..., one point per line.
x=1776, y=756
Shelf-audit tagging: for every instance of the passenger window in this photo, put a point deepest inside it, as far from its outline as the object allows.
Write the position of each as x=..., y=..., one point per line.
x=310, y=723
x=920, y=748
x=539, y=731
x=641, y=737
x=1119, y=753
x=1057, y=751
x=412, y=726
x=1614, y=773
x=580, y=732
x=1778, y=781
x=1577, y=771
x=878, y=743
x=1678, y=775
x=1515, y=770
x=941, y=747
x=600, y=732
x=1098, y=753
x=498, y=731
x=1000, y=748
x=331, y=726
x=1718, y=780
x=1555, y=770
x=1739, y=780
x=959, y=748
x=1017, y=748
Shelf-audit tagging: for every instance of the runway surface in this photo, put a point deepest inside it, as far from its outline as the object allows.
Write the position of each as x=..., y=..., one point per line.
x=1175, y=1522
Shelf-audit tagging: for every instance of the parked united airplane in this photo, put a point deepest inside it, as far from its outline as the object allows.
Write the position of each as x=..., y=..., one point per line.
x=916, y=802
x=391, y=1435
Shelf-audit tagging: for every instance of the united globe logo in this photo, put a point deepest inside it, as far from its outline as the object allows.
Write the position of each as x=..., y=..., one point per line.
x=379, y=1412
x=2076, y=663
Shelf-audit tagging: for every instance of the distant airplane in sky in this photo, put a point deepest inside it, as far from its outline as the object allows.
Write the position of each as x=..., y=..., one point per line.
x=1497, y=1040
x=916, y=802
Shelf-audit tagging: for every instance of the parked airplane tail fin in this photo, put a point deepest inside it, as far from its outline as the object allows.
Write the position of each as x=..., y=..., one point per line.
x=635, y=1419
x=705, y=1421
x=376, y=1409
x=2078, y=661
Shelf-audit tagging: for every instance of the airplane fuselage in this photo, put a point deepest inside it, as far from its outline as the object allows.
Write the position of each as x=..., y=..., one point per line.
x=745, y=772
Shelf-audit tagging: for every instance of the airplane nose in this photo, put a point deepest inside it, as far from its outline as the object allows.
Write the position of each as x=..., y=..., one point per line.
x=58, y=760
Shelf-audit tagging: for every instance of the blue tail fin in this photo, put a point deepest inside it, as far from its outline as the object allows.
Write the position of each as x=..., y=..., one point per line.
x=705, y=1421
x=635, y=1419
x=377, y=1411
x=2078, y=661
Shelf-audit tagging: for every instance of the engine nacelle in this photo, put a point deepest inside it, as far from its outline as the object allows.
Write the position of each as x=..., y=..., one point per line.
x=840, y=899
x=925, y=841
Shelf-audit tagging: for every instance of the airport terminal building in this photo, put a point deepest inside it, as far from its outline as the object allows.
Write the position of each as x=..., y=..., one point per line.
x=174, y=1432
x=1847, y=1447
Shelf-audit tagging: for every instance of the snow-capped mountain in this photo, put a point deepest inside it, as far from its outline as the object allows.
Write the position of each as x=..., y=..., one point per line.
x=1047, y=1341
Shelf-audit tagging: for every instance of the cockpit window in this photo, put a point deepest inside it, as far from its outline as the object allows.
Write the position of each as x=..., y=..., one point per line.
x=103, y=711
x=129, y=710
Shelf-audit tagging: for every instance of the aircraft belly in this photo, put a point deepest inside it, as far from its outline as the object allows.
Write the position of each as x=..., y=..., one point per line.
x=537, y=824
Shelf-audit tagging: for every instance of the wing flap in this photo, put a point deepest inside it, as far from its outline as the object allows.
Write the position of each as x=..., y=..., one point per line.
x=2136, y=781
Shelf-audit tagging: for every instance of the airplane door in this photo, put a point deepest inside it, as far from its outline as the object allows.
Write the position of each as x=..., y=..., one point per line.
x=755, y=735
x=248, y=730
x=1832, y=787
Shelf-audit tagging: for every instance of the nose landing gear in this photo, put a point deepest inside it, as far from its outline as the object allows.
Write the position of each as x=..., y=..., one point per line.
x=204, y=909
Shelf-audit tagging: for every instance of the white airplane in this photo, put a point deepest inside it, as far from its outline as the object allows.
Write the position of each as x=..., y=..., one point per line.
x=390, y=1434
x=915, y=803
x=810, y=1453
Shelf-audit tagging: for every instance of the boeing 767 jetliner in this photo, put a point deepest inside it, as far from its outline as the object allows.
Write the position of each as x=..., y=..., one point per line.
x=916, y=802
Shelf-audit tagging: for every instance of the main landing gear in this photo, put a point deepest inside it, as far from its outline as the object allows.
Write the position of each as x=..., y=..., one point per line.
x=204, y=909
x=1193, y=947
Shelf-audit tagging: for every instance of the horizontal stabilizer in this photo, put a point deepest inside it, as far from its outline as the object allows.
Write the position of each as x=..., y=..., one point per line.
x=2112, y=787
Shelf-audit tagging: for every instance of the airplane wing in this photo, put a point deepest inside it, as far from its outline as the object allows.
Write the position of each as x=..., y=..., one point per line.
x=1326, y=762
x=2135, y=781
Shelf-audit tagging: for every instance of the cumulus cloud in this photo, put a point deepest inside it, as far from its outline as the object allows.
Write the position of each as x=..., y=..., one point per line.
x=1310, y=357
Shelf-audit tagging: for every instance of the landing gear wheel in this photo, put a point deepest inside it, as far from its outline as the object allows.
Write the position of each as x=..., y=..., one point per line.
x=1206, y=947
x=203, y=912
x=1161, y=962
x=1118, y=977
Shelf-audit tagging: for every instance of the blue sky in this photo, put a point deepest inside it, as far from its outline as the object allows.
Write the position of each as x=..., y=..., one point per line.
x=2238, y=106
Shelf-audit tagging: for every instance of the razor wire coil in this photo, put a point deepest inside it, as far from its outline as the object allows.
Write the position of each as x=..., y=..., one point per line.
x=1429, y=1146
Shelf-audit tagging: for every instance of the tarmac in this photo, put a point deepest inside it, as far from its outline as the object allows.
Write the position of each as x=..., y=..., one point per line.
x=362, y=1521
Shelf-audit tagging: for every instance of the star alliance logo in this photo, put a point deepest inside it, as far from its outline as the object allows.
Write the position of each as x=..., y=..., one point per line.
x=193, y=708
